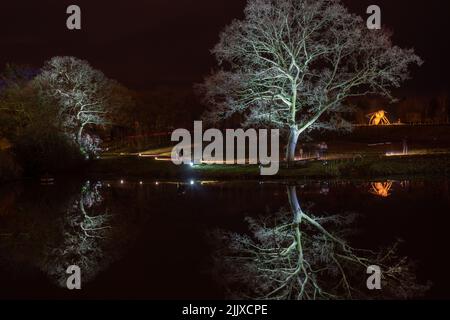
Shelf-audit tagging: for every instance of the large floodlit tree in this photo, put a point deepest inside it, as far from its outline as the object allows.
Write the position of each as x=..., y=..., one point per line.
x=293, y=64
x=81, y=92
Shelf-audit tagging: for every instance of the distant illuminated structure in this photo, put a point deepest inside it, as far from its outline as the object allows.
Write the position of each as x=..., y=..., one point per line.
x=378, y=118
x=381, y=189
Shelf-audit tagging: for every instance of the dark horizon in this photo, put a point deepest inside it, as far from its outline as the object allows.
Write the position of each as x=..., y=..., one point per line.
x=143, y=44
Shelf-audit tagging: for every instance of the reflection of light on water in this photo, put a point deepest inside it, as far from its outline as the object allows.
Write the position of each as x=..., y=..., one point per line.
x=190, y=182
x=279, y=252
x=221, y=162
x=381, y=189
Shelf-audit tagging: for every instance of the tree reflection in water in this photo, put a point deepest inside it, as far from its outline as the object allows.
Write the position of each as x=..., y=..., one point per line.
x=295, y=255
x=82, y=232
x=87, y=230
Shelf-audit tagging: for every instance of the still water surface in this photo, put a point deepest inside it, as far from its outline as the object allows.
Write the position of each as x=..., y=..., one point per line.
x=155, y=240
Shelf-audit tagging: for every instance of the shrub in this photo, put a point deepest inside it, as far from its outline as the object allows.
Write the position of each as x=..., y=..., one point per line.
x=46, y=152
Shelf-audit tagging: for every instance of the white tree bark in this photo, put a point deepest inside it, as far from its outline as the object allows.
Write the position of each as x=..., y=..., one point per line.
x=81, y=92
x=294, y=133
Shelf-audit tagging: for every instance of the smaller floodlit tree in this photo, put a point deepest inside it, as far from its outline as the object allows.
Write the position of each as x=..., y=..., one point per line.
x=81, y=92
x=293, y=64
x=18, y=102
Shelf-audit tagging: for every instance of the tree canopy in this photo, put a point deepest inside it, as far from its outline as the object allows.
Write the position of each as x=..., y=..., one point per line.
x=292, y=64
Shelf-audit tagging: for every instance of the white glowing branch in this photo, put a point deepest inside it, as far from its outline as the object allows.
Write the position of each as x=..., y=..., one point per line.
x=81, y=92
x=293, y=64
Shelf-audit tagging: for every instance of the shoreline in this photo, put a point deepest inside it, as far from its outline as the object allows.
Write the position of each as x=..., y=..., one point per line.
x=370, y=168
x=365, y=168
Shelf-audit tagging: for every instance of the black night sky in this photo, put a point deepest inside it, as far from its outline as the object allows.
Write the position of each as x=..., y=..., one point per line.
x=142, y=43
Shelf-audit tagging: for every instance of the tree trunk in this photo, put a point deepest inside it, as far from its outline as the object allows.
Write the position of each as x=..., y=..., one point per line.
x=292, y=144
x=80, y=135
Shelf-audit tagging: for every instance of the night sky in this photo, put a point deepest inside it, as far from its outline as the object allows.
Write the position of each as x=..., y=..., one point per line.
x=142, y=43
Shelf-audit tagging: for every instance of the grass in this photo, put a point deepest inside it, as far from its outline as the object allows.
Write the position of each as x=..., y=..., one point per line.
x=365, y=167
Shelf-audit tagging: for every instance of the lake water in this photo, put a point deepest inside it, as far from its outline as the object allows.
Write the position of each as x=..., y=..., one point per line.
x=155, y=239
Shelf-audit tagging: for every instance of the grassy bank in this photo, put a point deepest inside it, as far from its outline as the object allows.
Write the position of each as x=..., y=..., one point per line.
x=370, y=167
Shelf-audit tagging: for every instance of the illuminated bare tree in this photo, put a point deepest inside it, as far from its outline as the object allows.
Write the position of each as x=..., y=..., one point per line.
x=293, y=63
x=293, y=256
x=81, y=92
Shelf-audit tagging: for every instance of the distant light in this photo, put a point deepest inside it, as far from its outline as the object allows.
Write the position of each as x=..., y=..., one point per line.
x=122, y=182
x=140, y=182
x=140, y=154
x=156, y=158
x=191, y=164
x=378, y=118
x=192, y=182
x=109, y=186
x=382, y=189
x=157, y=183
x=395, y=154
